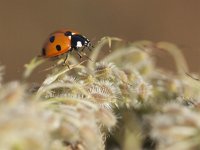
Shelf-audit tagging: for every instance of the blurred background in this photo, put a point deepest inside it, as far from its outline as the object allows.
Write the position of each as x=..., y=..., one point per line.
x=25, y=24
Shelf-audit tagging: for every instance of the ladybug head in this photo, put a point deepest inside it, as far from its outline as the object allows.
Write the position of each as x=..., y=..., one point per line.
x=88, y=44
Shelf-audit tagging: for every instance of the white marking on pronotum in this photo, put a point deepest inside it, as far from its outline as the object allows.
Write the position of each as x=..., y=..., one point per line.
x=79, y=44
x=73, y=33
x=69, y=37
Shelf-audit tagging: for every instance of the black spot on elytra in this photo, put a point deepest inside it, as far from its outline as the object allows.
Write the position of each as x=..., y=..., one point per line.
x=43, y=52
x=68, y=33
x=58, y=47
x=51, y=39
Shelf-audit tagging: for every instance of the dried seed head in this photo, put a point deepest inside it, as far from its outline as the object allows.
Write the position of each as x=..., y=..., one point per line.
x=12, y=93
x=24, y=126
x=103, y=92
x=106, y=117
x=144, y=90
x=85, y=76
x=68, y=79
x=100, y=66
x=104, y=70
x=176, y=124
x=91, y=137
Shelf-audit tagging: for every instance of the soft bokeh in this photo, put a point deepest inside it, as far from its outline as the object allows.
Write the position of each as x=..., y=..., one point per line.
x=25, y=24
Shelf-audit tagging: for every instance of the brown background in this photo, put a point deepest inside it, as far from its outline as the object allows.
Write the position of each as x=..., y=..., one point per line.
x=25, y=24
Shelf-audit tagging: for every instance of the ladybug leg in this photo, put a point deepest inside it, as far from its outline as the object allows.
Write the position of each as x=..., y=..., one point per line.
x=88, y=57
x=85, y=56
x=79, y=54
x=66, y=58
x=65, y=61
x=82, y=48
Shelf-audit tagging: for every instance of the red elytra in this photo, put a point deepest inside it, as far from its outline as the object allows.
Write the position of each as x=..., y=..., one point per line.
x=56, y=44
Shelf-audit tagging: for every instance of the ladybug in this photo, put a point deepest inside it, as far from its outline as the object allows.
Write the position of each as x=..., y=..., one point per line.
x=64, y=41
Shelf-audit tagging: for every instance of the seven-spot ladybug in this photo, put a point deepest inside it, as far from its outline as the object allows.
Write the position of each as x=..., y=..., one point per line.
x=62, y=42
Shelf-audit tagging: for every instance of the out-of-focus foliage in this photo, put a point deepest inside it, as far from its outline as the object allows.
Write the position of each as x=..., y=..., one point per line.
x=120, y=101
